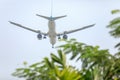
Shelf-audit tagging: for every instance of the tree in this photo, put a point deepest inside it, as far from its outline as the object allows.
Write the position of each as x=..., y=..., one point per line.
x=54, y=69
x=95, y=62
x=115, y=26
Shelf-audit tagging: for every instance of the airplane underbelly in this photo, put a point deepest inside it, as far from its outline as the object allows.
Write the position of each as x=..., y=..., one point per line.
x=52, y=32
x=52, y=36
x=52, y=41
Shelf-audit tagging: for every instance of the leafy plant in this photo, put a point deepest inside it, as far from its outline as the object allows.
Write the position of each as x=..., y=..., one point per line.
x=54, y=69
x=115, y=27
x=96, y=64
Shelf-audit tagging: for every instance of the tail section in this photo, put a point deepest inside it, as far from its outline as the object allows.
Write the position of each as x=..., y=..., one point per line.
x=50, y=18
x=43, y=16
x=59, y=17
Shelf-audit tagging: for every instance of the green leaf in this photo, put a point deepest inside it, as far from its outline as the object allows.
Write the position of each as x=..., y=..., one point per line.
x=34, y=65
x=20, y=69
x=25, y=63
x=48, y=63
x=115, y=11
x=56, y=59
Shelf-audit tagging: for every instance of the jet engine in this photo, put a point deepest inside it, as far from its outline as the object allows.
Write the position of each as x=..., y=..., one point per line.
x=65, y=36
x=39, y=36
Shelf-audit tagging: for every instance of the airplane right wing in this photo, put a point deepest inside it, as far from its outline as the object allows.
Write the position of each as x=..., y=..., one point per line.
x=75, y=30
x=19, y=25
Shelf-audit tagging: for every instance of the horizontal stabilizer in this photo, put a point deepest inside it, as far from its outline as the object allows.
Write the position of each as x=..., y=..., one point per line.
x=50, y=18
x=43, y=16
x=59, y=17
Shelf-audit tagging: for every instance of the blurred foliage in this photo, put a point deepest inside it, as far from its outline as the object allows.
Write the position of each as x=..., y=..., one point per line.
x=97, y=64
x=54, y=68
x=114, y=25
x=115, y=11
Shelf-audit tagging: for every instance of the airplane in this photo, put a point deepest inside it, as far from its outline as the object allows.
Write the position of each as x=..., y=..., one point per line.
x=52, y=34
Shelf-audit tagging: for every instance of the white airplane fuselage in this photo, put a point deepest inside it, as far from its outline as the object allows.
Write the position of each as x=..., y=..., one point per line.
x=52, y=31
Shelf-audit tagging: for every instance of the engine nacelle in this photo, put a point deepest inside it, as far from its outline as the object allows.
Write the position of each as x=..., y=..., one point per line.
x=39, y=36
x=65, y=36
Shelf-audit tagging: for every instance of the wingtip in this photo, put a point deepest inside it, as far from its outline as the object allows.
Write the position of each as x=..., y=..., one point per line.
x=94, y=24
x=36, y=14
x=65, y=15
x=9, y=21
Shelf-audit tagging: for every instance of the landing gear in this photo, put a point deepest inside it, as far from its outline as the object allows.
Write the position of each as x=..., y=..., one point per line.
x=44, y=37
x=59, y=37
x=52, y=46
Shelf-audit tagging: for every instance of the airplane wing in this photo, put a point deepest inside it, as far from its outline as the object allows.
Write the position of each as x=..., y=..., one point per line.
x=75, y=30
x=19, y=25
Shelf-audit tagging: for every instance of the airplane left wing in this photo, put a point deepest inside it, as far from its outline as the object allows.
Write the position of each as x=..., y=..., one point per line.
x=19, y=25
x=75, y=30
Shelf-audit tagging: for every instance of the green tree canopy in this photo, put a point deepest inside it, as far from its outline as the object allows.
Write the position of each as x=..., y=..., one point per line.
x=114, y=25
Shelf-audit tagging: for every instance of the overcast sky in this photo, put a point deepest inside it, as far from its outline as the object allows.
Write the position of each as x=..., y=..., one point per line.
x=18, y=45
